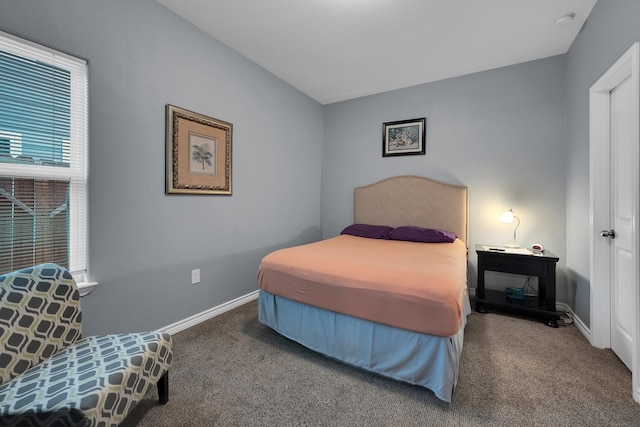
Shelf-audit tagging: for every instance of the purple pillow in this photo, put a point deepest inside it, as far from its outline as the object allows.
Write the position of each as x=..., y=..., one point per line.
x=369, y=231
x=424, y=235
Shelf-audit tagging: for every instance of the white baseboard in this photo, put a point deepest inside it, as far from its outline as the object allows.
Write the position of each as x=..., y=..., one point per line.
x=181, y=325
x=584, y=330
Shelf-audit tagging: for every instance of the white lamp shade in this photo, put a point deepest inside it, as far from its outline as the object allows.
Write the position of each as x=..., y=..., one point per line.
x=507, y=217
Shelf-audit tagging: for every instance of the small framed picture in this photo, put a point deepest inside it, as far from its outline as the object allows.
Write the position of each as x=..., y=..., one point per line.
x=198, y=153
x=403, y=138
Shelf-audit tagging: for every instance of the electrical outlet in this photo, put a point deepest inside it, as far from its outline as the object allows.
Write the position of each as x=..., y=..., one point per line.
x=195, y=276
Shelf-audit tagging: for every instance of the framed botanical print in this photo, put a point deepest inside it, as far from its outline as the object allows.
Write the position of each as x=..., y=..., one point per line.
x=198, y=153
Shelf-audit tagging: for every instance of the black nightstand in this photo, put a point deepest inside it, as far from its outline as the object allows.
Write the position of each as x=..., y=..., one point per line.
x=541, y=265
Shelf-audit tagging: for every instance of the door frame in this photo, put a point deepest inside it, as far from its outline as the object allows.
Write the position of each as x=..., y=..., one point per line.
x=599, y=259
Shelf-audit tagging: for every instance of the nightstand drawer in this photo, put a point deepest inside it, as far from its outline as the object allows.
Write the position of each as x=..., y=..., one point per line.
x=528, y=265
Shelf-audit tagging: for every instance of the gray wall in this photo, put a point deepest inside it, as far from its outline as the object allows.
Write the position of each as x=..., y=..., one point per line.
x=517, y=136
x=500, y=132
x=611, y=29
x=143, y=243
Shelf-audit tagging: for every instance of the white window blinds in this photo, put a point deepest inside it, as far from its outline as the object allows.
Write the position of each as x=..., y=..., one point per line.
x=43, y=157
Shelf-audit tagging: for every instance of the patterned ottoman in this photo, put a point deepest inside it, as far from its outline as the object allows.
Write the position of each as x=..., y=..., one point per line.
x=49, y=376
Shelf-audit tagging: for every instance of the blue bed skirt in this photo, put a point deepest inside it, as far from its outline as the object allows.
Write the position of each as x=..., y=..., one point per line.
x=416, y=358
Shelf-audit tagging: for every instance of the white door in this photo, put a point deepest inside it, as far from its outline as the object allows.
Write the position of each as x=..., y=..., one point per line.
x=623, y=262
x=614, y=169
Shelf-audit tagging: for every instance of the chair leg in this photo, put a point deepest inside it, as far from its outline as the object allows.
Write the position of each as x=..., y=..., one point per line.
x=163, y=388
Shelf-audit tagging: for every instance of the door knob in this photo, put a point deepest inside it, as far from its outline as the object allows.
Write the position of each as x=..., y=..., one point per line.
x=608, y=233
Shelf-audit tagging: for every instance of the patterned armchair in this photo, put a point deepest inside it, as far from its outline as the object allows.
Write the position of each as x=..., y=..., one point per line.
x=49, y=375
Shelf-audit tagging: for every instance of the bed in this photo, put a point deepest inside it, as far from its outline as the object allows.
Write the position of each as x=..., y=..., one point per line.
x=384, y=303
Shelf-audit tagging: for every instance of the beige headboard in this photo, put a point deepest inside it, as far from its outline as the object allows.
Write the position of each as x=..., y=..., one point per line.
x=414, y=200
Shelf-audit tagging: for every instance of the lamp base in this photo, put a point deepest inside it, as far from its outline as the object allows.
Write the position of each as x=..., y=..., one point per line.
x=512, y=245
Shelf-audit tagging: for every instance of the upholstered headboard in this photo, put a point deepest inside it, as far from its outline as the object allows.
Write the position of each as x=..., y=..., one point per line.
x=414, y=200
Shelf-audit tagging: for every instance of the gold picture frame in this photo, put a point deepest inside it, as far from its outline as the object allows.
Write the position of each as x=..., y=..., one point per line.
x=198, y=153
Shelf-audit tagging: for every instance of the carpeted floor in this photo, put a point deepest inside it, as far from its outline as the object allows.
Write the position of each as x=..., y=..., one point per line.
x=234, y=371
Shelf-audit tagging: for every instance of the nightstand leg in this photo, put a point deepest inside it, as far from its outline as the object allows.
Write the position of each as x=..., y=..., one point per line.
x=480, y=308
x=552, y=323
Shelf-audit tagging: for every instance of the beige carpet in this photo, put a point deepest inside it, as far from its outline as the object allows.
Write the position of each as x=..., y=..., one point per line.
x=234, y=371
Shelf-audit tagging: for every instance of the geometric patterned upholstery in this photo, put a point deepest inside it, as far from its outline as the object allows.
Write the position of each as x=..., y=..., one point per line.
x=39, y=316
x=98, y=380
x=95, y=381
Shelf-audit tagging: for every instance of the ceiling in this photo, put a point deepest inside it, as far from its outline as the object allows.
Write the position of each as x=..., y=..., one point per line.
x=334, y=50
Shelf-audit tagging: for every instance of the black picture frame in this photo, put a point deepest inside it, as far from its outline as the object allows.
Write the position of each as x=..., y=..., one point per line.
x=404, y=137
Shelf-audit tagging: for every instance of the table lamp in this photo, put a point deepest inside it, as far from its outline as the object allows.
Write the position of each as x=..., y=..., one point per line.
x=507, y=217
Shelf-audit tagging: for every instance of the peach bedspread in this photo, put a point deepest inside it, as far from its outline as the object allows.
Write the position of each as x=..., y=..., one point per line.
x=420, y=287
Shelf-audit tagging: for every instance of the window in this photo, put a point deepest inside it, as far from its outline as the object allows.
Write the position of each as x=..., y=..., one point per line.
x=43, y=157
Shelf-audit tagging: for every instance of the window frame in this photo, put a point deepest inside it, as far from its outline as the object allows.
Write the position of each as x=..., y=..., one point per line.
x=77, y=172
